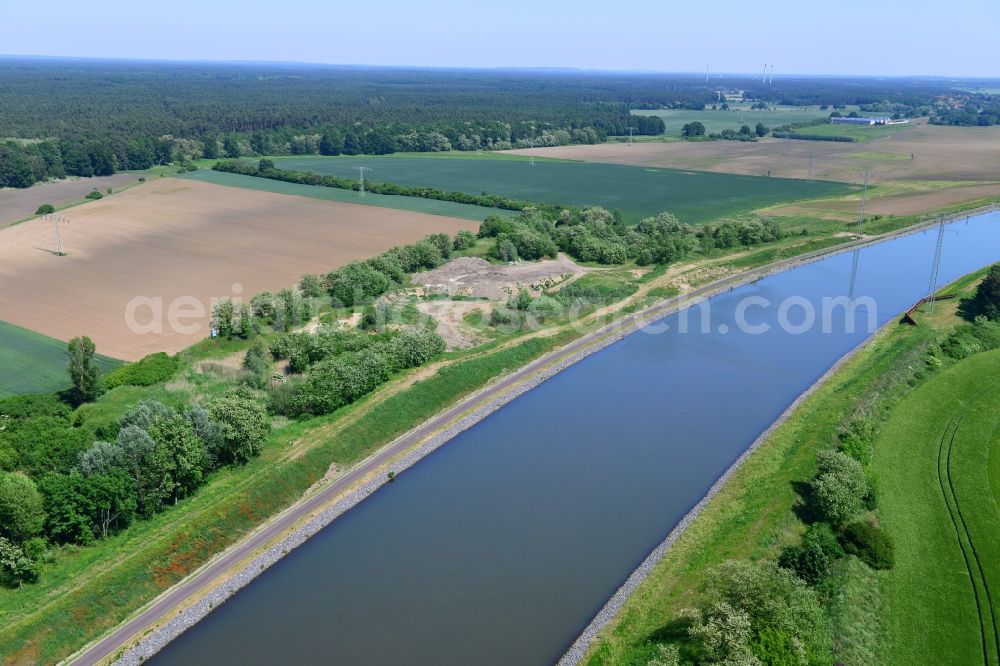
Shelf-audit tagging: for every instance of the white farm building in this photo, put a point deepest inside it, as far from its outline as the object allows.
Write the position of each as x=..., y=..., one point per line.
x=881, y=120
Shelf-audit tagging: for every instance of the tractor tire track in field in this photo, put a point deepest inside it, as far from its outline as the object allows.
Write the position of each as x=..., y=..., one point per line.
x=951, y=502
x=990, y=608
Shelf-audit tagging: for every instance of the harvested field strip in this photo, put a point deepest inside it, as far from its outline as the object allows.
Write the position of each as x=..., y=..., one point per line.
x=939, y=153
x=19, y=204
x=414, y=204
x=33, y=363
x=935, y=459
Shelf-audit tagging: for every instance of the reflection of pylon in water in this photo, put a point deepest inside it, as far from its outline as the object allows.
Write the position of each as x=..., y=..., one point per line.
x=936, y=266
x=854, y=272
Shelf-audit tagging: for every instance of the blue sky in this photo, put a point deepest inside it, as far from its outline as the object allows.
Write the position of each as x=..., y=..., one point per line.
x=845, y=37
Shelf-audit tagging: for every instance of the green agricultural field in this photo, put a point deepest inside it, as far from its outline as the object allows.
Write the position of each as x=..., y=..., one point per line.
x=938, y=464
x=716, y=121
x=858, y=133
x=33, y=363
x=694, y=197
x=417, y=205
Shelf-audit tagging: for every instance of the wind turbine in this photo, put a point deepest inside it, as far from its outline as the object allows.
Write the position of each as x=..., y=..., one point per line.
x=765, y=74
x=771, y=80
x=706, y=72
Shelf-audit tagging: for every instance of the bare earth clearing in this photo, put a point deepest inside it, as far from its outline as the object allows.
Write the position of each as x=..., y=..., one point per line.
x=472, y=276
x=939, y=153
x=450, y=318
x=172, y=238
x=18, y=204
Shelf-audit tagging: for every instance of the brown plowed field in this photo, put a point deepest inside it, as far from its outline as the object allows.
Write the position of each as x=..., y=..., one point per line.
x=170, y=239
x=18, y=204
x=939, y=153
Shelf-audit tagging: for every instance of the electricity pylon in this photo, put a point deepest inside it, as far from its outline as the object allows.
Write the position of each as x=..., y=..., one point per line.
x=864, y=197
x=361, y=178
x=56, y=220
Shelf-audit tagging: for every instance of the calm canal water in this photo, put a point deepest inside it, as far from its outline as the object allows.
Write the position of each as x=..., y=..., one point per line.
x=500, y=547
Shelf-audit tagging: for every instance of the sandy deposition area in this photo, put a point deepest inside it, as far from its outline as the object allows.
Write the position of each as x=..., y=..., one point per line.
x=921, y=152
x=472, y=276
x=18, y=204
x=160, y=252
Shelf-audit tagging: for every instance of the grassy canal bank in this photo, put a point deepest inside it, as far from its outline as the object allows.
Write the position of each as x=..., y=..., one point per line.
x=929, y=603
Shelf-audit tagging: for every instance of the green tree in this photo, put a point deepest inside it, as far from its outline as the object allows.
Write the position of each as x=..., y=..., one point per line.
x=45, y=209
x=14, y=168
x=83, y=372
x=16, y=567
x=722, y=636
x=112, y=501
x=986, y=302
x=150, y=467
x=761, y=130
x=231, y=146
x=776, y=602
x=210, y=148
x=311, y=286
x=244, y=423
x=21, y=512
x=331, y=143
x=222, y=318
x=188, y=458
x=245, y=322
x=693, y=129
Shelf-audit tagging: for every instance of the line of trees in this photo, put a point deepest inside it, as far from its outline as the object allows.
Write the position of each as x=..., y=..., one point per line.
x=596, y=235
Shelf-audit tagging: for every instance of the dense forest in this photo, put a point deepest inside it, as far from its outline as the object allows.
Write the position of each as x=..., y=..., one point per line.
x=92, y=117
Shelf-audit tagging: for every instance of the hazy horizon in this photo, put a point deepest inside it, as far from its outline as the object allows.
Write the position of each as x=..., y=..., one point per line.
x=849, y=38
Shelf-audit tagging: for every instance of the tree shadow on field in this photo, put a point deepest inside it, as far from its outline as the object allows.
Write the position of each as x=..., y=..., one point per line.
x=804, y=508
x=674, y=631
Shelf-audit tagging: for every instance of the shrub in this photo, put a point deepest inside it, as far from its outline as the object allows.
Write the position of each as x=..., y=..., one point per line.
x=811, y=560
x=147, y=371
x=464, y=240
x=94, y=195
x=25, y=406
x=839, y=489
x=872, y=545
x=857, y=438
x=15, y=566
x=45, y=209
